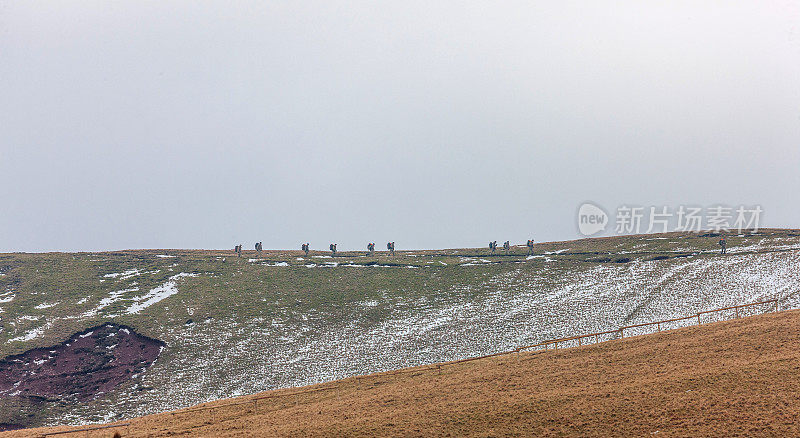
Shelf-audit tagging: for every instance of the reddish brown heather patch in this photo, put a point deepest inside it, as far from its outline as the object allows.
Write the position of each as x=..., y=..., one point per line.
x=89, y=363
x=735, y=378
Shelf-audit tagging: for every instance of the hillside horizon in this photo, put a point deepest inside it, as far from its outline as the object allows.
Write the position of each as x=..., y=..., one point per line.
x=382, y=248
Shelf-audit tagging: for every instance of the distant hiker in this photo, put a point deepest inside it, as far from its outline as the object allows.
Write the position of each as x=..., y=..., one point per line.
x=238, y=250
x=304, y=248
x=333, y=249
x=493, y=246
x=530, y=246
x=390, y=248
x=723, y=245
x=507, y=245
x=371, y=248
x=258, y=247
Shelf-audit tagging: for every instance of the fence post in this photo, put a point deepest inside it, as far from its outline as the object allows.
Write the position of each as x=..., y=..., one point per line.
x=579, y=342
x=595, y=339
x=698, y=319
x=737, y=312
x=622, y=333
x=659, y=326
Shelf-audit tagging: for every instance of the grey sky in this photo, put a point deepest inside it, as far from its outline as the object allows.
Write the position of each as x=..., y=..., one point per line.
x=433, y=124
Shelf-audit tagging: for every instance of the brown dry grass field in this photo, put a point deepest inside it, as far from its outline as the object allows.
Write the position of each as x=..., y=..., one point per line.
x=732, y=378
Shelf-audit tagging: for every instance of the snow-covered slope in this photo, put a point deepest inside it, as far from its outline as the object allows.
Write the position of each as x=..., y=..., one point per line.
x=240, y=326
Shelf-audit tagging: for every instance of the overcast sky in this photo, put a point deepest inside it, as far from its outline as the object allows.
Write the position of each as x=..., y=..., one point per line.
x=189, y=124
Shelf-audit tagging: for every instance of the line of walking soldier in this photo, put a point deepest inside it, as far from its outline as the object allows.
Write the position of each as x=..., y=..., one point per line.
x=306, y=247
x=507, y=246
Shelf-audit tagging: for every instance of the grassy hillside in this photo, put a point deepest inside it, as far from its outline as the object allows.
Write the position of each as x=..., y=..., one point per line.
x=732, y=378
x=239, y=326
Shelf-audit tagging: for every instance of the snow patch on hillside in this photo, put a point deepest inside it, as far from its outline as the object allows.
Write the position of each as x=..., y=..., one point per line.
x=129, y=274
x=158, y=293
x=30, y=335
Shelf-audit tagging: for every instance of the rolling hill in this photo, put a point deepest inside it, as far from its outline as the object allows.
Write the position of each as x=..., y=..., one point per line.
x=227, y=326
x=729, y=378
